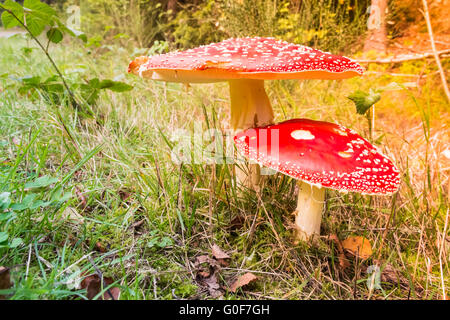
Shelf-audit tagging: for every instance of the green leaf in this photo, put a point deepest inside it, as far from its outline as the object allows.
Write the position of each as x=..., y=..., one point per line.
x=89, y=93
x=41, y=182
x=38, y=16
x=5, y=200
x=15, y=243
x=31, y=81
x=51, y=79
x=40, y=204
x=6, y=216
x=54, y=35
x=73, y=32
x=364, y=100
x=26, y=203
x=116, y=86
x=3, y=237
x=59, y=195
x=8, y=19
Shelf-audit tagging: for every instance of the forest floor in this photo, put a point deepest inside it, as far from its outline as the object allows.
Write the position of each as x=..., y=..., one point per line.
x=85, y=193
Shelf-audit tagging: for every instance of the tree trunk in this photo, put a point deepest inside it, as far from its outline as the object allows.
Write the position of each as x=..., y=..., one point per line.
x=377, y=35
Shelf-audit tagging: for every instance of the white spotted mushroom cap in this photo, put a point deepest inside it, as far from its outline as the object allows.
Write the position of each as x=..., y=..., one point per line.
x=322, y=154
x=248, y=58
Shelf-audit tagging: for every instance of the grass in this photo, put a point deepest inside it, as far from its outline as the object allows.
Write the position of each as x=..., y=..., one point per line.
x=112, y=197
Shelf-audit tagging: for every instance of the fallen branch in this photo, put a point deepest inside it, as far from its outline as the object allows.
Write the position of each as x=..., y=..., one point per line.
x=405, y=57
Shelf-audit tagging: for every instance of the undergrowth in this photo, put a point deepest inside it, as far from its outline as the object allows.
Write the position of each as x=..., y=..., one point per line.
x=79, y=193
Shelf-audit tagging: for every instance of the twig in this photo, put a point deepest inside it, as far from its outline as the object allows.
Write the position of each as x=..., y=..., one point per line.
x=28, y=263
x=404, y=57
x=433, y=46
x=441, y=249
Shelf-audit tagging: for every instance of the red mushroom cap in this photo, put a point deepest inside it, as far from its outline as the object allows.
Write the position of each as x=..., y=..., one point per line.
x=250, y=58
x=321, y=153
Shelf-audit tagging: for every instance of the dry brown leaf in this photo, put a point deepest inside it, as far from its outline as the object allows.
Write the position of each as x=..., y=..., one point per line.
x=219, y=253
x=358, y=246
x=242, y=281
x=206, y=275
x=99, y=247
x=124, y=194
x=93, y=286
x=205, y=259
x=5, y=280
x=72, y=214
x=389, y=274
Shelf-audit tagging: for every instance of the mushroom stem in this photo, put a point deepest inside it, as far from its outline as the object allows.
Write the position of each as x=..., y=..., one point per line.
x=250, y=107
x=308, y=214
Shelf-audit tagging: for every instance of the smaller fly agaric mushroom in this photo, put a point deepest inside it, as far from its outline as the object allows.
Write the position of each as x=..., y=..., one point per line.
x=321, y=155
x=245, y=63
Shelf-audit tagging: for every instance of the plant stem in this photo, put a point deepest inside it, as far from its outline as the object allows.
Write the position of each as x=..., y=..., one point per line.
x=72, y=96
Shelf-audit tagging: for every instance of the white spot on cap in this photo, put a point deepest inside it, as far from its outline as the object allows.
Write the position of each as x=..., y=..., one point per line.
x=302, y=135
x=344, y=154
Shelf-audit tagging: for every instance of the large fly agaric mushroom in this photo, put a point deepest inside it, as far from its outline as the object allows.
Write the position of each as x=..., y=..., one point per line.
x=321, y=155
x=245, y=63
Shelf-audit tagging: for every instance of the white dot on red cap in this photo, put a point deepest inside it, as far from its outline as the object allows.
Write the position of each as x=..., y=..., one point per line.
x=302, y=135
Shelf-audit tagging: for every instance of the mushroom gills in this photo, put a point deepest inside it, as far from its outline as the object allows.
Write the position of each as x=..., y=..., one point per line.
x=308, y=214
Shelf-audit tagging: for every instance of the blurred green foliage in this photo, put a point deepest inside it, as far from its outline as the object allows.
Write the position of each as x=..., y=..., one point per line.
x=326, y=24
x=333, y=25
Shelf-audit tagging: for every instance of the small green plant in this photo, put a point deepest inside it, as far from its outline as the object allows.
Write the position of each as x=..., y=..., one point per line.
x=35, y=17
x=363, y=102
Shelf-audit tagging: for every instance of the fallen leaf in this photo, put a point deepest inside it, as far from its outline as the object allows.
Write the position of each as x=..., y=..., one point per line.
x=206, y=275
x=213, y=286
x=205, y=259
x=243, y=280
x=218, y=253
x=358, y=246
x=99, y=247
x=389, y=274
x=93, y=286
x=124, y=194
x=343, y=261
x=5, y=280
x=72, y=214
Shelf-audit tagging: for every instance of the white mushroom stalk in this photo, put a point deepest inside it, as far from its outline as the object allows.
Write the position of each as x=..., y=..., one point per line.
x=308, y=214
x=250, y=106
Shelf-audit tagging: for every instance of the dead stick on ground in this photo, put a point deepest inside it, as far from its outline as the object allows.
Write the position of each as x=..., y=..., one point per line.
x=433, y=46
x=404, y=58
